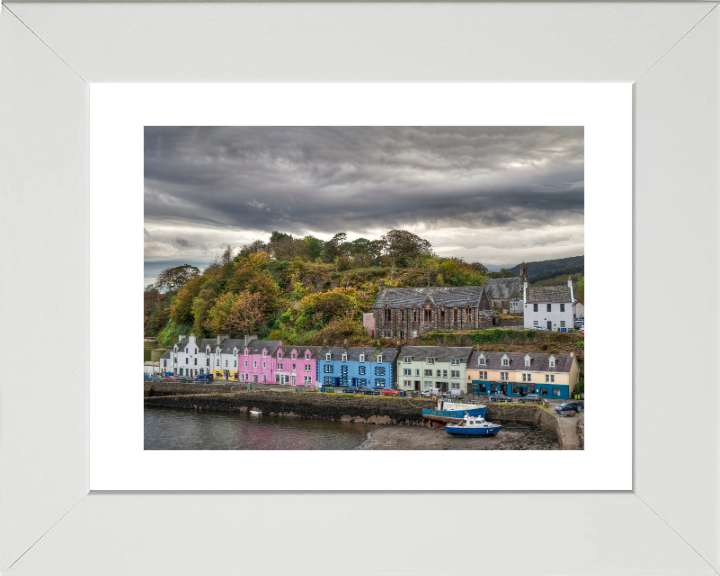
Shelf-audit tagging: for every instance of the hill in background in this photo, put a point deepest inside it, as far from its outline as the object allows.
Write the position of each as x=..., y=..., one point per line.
x=571, y=265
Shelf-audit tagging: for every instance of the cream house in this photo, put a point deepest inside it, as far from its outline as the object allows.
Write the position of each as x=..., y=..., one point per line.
x=443, y=367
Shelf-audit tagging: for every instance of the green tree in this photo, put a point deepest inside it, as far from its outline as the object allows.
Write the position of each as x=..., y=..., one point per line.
x=402, y=246
x=315, y=246
x=176, y=277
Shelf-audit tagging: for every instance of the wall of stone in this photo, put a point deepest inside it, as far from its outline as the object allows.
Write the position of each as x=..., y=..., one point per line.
x=175, y=388
x=526, y=414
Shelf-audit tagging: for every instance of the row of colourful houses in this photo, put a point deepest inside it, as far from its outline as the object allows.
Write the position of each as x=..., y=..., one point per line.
x=412, y=368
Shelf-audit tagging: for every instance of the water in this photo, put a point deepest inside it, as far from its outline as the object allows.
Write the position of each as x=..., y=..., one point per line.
x=175, y=429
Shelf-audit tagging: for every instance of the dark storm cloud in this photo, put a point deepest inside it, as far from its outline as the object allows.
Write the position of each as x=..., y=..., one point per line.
x=472, y=188
x=330, y=179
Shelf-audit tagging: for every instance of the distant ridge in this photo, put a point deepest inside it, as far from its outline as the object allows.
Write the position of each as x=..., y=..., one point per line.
x=572, y=264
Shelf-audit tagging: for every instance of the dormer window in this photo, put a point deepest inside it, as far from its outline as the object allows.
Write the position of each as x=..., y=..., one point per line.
x=362, y=357
x=552, y=361
x=431, y=360
x=264, y=352
x=379, y=359
x=328, y=356
x=481, y=361
x=307, y=355
x=344, y=357
x=505, y=361
x=246, y=352
x=408, y=359
x=294, y=355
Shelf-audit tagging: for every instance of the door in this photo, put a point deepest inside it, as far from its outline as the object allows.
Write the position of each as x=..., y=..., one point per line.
x=549, y=325
x=417, y=385
x=293, y=379
x=522, y=390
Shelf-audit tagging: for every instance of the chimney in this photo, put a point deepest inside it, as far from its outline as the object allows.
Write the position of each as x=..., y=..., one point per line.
x=249, y=338
x=572, y=298
x=382, y=284
x=222, y=337
x=181, y=338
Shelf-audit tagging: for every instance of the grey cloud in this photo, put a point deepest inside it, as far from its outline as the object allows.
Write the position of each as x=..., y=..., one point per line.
x=330, y=179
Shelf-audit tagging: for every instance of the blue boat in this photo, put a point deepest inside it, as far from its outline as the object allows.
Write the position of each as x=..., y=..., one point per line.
x=470, y=426
x=449, y=411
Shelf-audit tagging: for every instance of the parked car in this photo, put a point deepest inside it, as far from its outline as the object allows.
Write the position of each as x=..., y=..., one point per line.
x=352, y=390
x=538, y=327
x=499, y=398
x=170, y=379
x=453, y=394
x=534, y=398
x=430, y=392
x=569, y=407
x=370, y=391
x=390, y=392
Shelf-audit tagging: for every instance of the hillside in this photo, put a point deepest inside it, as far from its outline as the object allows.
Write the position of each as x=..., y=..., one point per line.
x=556, y=266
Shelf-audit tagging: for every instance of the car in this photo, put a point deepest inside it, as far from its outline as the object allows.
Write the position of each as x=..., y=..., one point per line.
x=538, y=327
x=170, y=379
x=534, y=398
x=499, y=398
x=370, y=391
x=351, y=390
x=430, y=392
x=390, y=392
x=453, y=394
x=568, y=407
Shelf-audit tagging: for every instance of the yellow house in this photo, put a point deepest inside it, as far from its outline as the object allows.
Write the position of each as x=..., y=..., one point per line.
x=519, y=374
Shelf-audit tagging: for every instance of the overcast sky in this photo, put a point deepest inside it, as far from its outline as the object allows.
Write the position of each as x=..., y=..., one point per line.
x=496, y=195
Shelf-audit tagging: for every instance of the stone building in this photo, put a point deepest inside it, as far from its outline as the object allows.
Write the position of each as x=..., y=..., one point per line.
x=410, y=312
x=499, y=291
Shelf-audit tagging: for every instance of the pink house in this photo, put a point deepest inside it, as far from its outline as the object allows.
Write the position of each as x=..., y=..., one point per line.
x=296, y=365
x=256, y=360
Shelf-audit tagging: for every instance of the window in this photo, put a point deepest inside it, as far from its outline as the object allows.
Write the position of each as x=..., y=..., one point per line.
x=417, y=371
x=217, y=362
x=277, y=378
x=279, y=366
x=536, y=323
x=307, y=367
x=246, y=352
x=195, y=350
x=456, y=385
x=556, y=392
x=380, y=371
x=515, y=389
x=455, y=374
x=407, y=384
x=482, y=375
x=529, y=377
x=343, y=369
x=165, y=363
x=207, y=362
x=468, y=314
x=402, y=315
x=523, y=377
x=181, y=371
x=361, y=369
x=226, y=362
x=195, y=361
x=307, y=355
x=562, y=307
x=455, y=315
x=387, y=315
x=407, y=372
x=187, y=360
x=439, y=373
x=549, y=307
x=552, y=378
x=506, y=362
x=246, y=363
x=455, y=361
x=265, y=365
x=402, y=334
x=431, y=360
x=552, y=362
x=293, y=355
x=344, y=357
x=562, y=323
x=504, y=375
x=362, y=357
x=380, y=382
x=264, y=353
x=483, y=388
x=414, y=315
x=264, y=378
x=235, y=364
x=428, y=372
x=428, y=315
x=407, y=360
x=185, y=350
x=379, y=358
x=442, y=315
x=328, y=368
x=493, y=388
x=543, y=391
x=307, y=380
x=482, y=361
x=535, y=307
x=255, y=364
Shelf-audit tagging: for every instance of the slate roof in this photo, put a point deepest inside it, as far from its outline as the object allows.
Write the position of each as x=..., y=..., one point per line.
x=542, y=294
x=287, y=350
x=448, y=295
x=353, y=354
x=167, y=355
x=540, y=362
x=230, y=343
x=441, y=353
x=501, y=288
x=256, y=346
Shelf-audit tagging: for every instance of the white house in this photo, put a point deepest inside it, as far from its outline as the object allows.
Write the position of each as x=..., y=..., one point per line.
x=579, y=309
x=223, y=358
x=548, y=306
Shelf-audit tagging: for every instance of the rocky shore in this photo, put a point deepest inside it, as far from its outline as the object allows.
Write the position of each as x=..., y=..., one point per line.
x=417, y=438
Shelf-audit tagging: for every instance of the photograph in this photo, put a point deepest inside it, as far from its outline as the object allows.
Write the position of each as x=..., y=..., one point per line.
x=364, y=288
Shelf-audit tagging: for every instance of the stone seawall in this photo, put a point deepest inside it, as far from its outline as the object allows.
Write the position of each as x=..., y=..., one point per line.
x=175, y=388
x=366, y=410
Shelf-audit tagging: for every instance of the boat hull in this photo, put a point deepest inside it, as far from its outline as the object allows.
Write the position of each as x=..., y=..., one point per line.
x=468, y=432
x=453, y=415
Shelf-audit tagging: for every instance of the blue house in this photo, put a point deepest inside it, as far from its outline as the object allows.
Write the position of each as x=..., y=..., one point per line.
x=356, y=367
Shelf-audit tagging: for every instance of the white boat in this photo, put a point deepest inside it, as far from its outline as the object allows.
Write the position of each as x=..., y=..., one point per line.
x=472, y=426
x=255, y=412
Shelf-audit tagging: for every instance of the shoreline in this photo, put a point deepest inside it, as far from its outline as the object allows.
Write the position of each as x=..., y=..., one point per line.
x=423, y=438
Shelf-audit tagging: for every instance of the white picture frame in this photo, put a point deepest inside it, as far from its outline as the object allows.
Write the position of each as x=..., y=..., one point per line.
x=49, y=523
